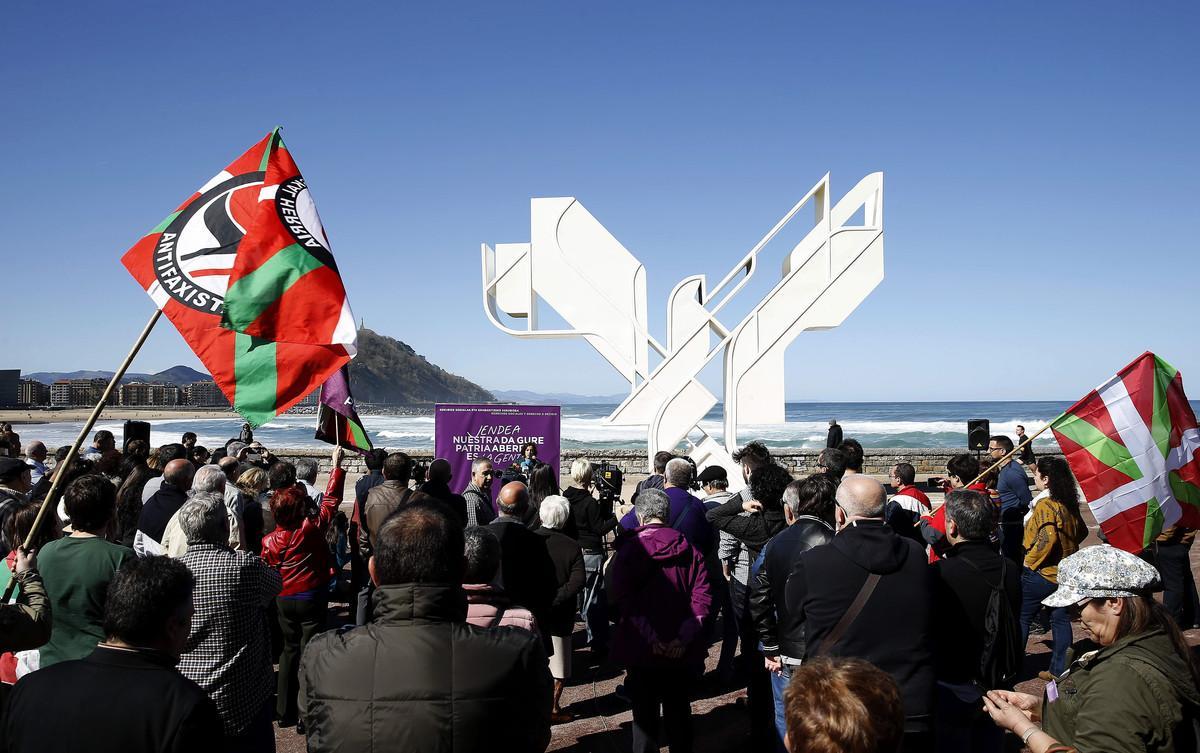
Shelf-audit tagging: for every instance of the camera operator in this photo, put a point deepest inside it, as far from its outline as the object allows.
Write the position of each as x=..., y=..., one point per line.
x=590, y=528
x=656, y=480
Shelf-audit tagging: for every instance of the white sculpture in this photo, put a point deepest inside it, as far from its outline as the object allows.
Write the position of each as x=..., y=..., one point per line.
x=575, y=266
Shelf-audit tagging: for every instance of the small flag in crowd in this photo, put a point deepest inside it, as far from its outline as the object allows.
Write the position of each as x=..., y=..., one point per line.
x=337, y=418
x=244, y=271
x=1134, y=447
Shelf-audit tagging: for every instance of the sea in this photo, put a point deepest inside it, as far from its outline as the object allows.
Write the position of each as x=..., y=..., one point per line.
x=881, y=425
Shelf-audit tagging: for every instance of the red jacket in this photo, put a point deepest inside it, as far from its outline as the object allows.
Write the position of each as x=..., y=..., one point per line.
x=301, y=554
x=912, y=491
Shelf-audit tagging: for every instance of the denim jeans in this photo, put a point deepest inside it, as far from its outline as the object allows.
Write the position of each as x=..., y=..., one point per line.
x=779, y=683
x=1034, y=588
x=593, y=609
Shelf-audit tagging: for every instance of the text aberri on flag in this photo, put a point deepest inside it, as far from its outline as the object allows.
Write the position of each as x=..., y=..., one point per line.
x=244, y=271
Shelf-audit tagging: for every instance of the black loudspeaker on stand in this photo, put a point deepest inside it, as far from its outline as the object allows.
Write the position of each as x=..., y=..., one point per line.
x=978, y=433
x=135, y=430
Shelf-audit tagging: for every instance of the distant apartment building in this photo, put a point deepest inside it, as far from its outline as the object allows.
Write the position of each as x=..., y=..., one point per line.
x=150, y=394
x=79, y=392
x=204, y=394
x=8, y=387
x=33, y=392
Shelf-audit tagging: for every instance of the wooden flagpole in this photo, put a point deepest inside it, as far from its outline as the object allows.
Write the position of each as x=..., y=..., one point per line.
x=60, y=471
x=1014, y=451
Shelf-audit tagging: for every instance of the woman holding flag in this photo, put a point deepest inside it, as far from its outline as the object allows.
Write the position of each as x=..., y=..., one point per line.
x=297, y=548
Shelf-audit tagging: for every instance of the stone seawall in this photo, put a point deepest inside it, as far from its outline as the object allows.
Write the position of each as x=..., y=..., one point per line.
x=877, y=461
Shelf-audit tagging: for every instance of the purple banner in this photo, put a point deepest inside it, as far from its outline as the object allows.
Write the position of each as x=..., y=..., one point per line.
x=462, y=433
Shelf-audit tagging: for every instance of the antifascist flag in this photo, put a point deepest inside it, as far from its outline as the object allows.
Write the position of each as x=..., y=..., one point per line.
x=337, y=418
x=1134, y=447
x=284, y=285
x=192, y=266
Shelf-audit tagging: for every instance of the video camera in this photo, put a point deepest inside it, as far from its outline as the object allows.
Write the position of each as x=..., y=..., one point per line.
x=607, y=478
x=694, y=484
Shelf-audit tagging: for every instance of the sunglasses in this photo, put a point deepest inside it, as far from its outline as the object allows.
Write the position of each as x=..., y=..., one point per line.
x=1076, y=609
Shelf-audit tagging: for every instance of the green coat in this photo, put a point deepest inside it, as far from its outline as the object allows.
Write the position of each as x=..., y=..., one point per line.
x=1135, y=696
x=26, y=624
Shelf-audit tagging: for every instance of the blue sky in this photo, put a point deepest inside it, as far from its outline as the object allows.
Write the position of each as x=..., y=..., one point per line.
x=1040, y=161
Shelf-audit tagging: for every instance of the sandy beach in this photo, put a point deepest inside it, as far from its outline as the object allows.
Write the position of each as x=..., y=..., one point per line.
x=16, y=416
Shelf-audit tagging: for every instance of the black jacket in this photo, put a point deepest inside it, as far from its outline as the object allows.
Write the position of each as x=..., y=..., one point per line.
x=419, y=678
x=963, y=594
x=834, y=437
x=157, y=511
x=568, y=576
x=453, y=502
x=894, y=631
x=780, y=632
x=754, y=531
x=113, y=700
x=526, y=570
x=653, y=481
x=590, y=523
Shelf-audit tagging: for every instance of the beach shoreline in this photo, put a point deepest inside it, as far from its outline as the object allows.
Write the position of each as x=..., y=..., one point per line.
x=584, y=428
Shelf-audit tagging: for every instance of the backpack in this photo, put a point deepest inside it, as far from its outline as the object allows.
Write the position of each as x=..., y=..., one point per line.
x=1002, y=654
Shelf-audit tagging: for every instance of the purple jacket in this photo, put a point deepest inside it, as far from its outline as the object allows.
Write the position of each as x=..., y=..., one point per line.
x=687, y=517
x=661, y=591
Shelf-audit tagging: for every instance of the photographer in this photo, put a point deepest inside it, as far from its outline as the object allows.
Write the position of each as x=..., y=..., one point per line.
x=256, y=455
x=590, y=528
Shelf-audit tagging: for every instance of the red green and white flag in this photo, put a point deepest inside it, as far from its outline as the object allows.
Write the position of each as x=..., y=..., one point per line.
x=1134, y=446
x=243, y=270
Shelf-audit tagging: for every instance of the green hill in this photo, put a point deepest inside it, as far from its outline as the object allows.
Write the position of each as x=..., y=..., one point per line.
x=388, y=372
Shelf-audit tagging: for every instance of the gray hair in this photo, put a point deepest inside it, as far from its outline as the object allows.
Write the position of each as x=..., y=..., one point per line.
x=653, y=504
x=679, y=473
x=478, y=463
x=209, y=478
x=481, y=555
x=581, y=472
x=791, y=497
x=720, y=484
x=306, y=469
x=554, y=511
x=204, y=520
x=972, y=513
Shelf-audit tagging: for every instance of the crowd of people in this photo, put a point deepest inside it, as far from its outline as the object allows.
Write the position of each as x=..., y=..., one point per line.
x=154, y=601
